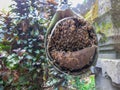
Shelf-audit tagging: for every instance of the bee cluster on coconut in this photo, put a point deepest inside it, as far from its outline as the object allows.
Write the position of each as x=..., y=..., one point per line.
x=71, y=42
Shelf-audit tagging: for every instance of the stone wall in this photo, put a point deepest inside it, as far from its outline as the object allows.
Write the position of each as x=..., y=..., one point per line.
x=107, y=74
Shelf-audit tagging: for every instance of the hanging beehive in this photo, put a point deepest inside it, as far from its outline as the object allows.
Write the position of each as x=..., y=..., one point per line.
x=71, y=42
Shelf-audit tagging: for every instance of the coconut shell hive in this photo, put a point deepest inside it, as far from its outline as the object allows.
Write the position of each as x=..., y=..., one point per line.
x=72, y=45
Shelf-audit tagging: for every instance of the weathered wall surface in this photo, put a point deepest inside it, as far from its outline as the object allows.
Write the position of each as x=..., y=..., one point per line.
x=104, y=83
x=105, y=16
x=108, y=74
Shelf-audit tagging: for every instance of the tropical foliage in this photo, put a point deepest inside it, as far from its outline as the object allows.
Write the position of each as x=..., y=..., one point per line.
x=23, y=64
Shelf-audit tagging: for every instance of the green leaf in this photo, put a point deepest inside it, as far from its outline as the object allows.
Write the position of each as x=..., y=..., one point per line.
x=5, y=47
x=37, y=51
x=19, y=42
x=29, y=57
x=1, y=88
x=36, y=32
x=25, y=41
x=1, y=83
x=34, y=39
x=30, y=42
x=30, y=46
x=30, y=50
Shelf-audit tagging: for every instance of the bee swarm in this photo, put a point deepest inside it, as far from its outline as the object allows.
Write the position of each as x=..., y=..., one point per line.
x=72, y=44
